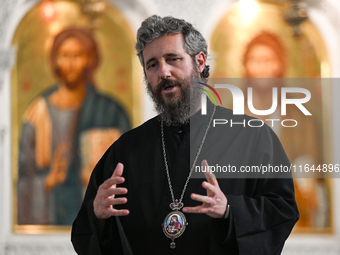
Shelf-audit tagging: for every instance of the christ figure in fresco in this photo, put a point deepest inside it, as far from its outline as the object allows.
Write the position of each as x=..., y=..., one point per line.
x=65, y=131
x=265, y=57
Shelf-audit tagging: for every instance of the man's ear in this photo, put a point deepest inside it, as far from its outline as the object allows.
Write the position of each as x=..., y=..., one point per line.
x=200, y=61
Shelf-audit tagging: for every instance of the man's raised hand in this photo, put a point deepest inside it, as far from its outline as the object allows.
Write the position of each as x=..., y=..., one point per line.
x=215, y=202
x=105, y=198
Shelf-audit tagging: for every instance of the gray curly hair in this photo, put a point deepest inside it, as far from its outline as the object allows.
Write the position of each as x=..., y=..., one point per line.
x=156, y=26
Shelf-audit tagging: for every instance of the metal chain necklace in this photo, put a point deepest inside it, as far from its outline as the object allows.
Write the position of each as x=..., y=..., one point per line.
x=175, y=222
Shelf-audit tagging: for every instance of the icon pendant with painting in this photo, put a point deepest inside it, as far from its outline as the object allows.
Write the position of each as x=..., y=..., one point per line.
x=174, y=225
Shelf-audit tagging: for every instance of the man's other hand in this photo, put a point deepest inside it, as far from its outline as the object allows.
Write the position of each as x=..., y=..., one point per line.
x=215, y=202
x=105, y=198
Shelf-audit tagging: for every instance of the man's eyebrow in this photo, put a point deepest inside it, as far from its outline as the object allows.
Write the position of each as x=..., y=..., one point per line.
x=165, y=55
x=172, y=55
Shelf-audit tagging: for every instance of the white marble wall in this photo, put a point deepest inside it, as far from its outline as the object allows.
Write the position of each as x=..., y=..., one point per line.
x=204, y=14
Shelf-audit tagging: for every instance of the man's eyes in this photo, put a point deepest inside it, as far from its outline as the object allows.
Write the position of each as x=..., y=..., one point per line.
x=151, y=65
x=174, y=59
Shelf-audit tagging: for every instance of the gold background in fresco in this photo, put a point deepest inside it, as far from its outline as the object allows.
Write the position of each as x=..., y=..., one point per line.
x=306, y=58
x=117, y=75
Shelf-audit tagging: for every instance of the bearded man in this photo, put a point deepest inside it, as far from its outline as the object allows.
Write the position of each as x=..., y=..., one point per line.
x=144, y=177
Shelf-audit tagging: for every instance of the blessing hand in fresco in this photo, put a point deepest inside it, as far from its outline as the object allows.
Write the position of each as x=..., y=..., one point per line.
x=59, y=167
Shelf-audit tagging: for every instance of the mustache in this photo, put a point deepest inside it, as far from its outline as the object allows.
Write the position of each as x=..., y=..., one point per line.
x=167, y=82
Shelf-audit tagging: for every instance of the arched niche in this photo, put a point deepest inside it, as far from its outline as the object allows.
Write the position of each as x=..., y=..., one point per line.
x=117, y=76
x=305, y=57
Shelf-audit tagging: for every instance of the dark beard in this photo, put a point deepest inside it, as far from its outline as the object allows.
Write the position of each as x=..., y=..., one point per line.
x=180, y=110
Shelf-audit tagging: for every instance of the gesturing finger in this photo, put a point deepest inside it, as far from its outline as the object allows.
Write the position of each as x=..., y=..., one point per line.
x=115, y=201
x=107, y=212
x=211, y=178
x=118, y=171
x=122, y=212
x=112, y=181
x=211, y=189
x=113, y=191
x=203, y=199
x=197, y=209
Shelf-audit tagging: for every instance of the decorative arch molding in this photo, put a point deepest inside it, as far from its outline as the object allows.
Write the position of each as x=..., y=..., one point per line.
x=13, y=11
x=325, y=16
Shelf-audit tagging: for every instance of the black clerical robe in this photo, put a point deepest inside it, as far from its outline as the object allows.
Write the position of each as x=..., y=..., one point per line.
x=262, y=210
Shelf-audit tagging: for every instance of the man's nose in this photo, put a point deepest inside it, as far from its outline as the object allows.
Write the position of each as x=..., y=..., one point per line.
x=164, y=71
x=70, y=63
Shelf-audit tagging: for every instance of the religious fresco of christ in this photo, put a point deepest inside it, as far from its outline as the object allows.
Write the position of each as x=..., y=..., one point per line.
x=265, y=57
x=65, y=130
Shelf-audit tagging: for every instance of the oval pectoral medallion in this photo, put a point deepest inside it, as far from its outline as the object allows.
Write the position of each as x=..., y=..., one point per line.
x=174, y=225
